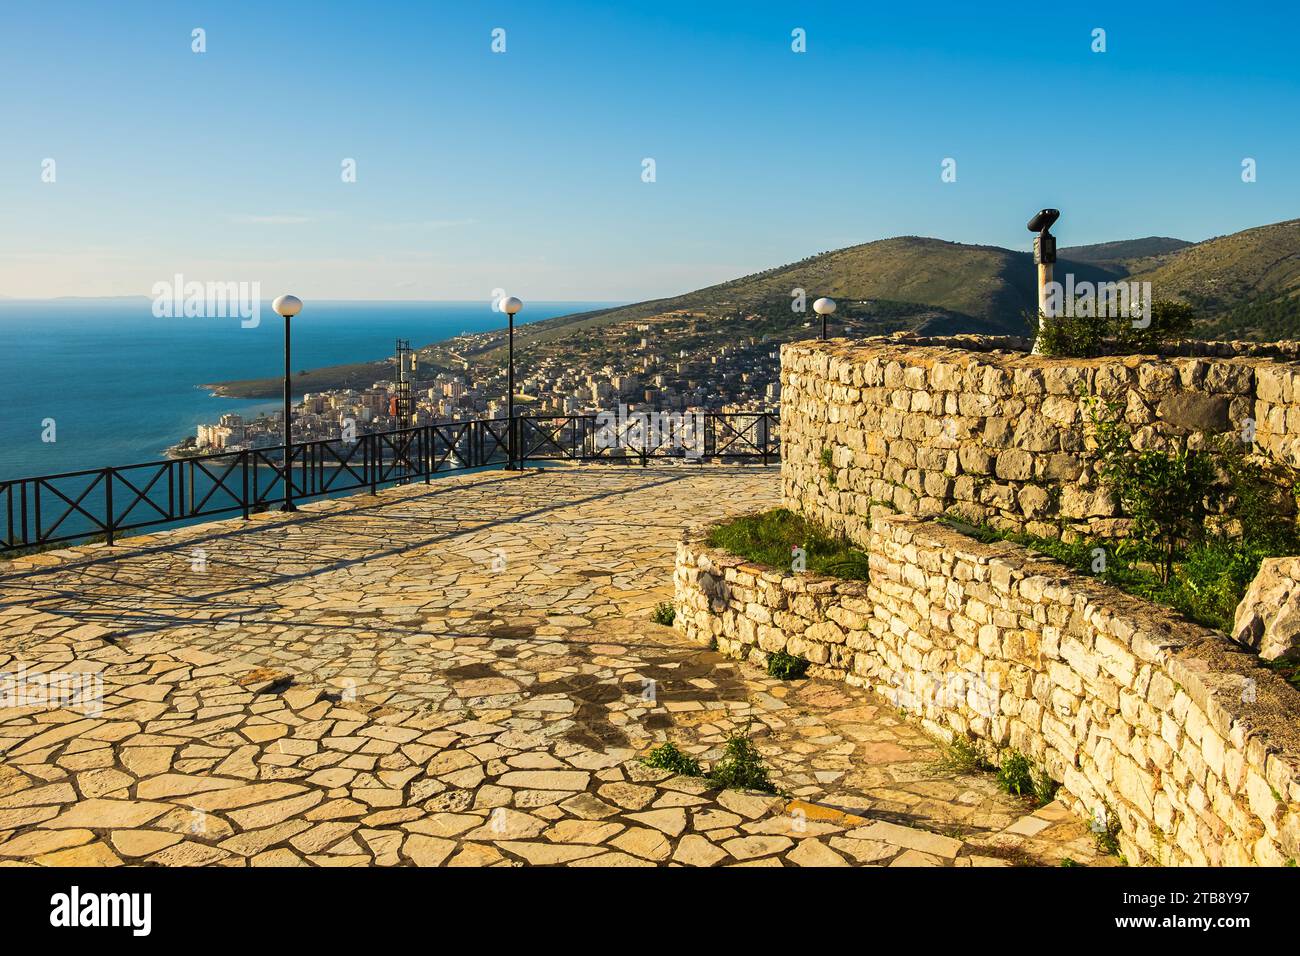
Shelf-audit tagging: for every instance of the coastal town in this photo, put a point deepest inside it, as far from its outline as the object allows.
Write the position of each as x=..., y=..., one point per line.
x=667, y=364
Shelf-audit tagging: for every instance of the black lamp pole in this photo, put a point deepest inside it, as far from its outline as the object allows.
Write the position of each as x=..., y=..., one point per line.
x=510, y=386
x=824, y=307
x=288, y=428
x=287, y=306
x=510, y=306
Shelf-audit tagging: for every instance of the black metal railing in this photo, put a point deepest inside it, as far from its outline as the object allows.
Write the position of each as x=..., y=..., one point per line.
x=107, y=502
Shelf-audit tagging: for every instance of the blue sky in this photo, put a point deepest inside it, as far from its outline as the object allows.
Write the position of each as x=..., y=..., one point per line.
x=522, y=170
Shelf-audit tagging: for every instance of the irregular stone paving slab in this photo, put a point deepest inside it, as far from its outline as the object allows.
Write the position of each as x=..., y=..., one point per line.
x=462, y=673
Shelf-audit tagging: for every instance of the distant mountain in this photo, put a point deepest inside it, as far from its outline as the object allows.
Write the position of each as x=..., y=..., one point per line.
x=1244, y=285
x=1118, y=253
x=959, y=287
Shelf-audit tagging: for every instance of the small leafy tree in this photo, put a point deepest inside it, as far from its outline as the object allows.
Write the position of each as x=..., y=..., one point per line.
x=1167, y=492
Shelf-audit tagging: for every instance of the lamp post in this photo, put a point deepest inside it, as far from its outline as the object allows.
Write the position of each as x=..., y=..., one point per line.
x=824, y=307
x=510, y=306
x=287, y=306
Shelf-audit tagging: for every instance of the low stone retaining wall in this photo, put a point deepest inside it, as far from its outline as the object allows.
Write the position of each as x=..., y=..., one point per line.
x=1143, y=717
x=924, y=426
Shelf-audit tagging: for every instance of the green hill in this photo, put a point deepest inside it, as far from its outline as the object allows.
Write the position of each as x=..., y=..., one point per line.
x=1244, y=285
x=1117, y=254
x=963, y=287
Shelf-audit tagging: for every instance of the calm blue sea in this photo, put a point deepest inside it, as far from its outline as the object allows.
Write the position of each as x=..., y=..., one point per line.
x=120, y=384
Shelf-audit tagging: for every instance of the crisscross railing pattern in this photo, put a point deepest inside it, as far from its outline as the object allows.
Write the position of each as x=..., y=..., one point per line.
x=76, y=505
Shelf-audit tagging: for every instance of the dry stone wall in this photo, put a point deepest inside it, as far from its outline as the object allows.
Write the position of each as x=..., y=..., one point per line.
x=975, y=424
x=1165, y=728
x=1277, y=411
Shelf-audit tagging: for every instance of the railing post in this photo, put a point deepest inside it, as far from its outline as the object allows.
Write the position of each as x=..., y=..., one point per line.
x=243, y=500
x=376, y=461
x=427, y=457
x=763, y=421
x=108, y=504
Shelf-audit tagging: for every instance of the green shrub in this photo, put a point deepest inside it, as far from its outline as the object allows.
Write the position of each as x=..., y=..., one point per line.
x=668, y=757
x=1170, y=320
x=1015, y=775
x=1212, y=579
x=1074, y=336
x=664, y=613
x=741, y=767
x=786, y=666
x=1071, y=337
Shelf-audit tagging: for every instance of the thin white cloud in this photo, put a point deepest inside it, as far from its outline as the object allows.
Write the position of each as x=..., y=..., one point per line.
x=281, y=220
x=427, y=224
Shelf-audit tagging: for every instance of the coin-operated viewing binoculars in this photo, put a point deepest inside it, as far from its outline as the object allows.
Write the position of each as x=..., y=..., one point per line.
x=1044, y=257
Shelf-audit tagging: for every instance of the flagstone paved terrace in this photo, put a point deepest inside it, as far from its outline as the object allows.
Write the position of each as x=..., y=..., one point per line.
x=461, y=673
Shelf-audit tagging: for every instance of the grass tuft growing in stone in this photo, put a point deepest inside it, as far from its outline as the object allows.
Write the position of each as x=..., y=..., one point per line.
x=827, y=460
x=770, y=536
x=668, y=757
x=963, y=755
x=1015, y=776
x=1044, y=788
x=664, y=613
x=1105, y=833
x=785, y=666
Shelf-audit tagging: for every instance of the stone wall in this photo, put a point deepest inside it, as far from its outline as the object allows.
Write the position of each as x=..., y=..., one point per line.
x=1165, y=726
x=976, y=424
x=1277, y=411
